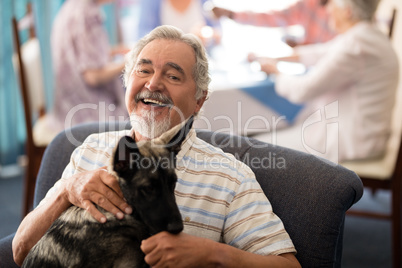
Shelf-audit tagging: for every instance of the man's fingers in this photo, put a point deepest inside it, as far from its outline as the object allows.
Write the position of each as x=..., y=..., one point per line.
x=147, y=245
x=101, y=200
x=113, y=193
x=90, y=207
x=152, y=256
x=110, y=181
x=100, y=188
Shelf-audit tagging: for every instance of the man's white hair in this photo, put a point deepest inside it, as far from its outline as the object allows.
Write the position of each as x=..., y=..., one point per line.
x=362, y=10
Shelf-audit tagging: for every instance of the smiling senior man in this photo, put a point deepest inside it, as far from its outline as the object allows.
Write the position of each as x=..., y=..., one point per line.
x=228, y=221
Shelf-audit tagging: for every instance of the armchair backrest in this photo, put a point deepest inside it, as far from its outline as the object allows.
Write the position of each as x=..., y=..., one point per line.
x=310, y=195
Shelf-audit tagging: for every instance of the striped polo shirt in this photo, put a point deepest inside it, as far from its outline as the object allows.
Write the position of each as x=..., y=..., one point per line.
x=218, y=196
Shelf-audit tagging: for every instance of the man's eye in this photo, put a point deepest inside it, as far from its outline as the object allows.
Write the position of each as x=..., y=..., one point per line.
x=142, y=71
x=174, y=78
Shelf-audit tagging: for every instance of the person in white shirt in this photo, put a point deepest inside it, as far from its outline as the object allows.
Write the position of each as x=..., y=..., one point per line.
x=348, y=92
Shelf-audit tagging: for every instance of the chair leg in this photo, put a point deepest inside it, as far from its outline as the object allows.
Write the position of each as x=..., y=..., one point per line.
x=30, y=182
x=29, y=187
x=35, y=155
x=396, y=224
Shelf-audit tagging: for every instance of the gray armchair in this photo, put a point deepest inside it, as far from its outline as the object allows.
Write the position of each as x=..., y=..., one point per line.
x=310, y=195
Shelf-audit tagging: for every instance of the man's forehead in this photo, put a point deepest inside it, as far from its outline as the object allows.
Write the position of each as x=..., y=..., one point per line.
x=169, y=64
x=168, y=51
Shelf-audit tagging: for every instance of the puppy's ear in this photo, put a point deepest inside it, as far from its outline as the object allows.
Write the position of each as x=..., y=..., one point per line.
x=125, y=151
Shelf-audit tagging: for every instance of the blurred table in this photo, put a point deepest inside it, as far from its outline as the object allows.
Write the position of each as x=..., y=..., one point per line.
x=245, y=107
x=242, y=99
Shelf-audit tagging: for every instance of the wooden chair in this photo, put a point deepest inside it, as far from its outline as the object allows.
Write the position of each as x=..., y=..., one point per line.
x=385, y=19
x=391, y=24
x=28, y=68
x=385, y=173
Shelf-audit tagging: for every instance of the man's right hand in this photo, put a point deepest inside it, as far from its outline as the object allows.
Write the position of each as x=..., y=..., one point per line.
x=96, y=187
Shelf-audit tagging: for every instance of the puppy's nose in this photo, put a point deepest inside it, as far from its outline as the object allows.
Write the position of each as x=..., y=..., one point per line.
x=175, y=227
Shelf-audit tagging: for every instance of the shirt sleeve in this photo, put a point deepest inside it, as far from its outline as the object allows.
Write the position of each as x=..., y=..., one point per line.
x=69, y=171
x=310, y=54
x=335, y=70
x=91, y=42
x=95, y=152
x=251, y=225
x=279, y=18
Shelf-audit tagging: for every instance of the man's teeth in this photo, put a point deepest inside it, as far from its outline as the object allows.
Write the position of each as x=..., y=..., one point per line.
x=154, y=102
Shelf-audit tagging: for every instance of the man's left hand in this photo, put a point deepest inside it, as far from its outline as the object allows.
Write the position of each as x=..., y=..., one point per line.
x=181, y=250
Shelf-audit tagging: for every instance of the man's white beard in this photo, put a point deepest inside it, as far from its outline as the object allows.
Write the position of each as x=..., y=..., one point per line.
x=147, y=126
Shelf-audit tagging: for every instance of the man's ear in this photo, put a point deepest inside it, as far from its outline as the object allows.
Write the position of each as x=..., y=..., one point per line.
x=200, y=102
x=124, y=153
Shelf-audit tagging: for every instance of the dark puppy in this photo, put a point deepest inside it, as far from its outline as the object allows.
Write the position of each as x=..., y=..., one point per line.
x=146, y=175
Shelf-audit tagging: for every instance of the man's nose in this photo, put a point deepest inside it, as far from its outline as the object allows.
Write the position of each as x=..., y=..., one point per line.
x=155, y=83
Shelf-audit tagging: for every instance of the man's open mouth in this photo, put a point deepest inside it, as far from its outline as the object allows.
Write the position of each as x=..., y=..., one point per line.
x=153, y=102
x=154, y=99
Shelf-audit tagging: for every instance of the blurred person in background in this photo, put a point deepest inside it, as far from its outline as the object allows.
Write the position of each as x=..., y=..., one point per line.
x=191, y=16
x=352, y=83
x=88, y=85
x=310, y=14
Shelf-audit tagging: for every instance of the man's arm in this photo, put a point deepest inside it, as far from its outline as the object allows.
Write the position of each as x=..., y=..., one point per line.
x=35, y=224
x=183, y=250
x=97, y=77
x=83, y=190
x=290, y=15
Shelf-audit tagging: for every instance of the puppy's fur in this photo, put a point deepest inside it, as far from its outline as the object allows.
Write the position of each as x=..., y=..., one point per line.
x=146, y=175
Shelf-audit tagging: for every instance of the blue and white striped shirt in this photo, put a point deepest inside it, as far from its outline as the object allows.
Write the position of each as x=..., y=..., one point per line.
x=218, y=196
